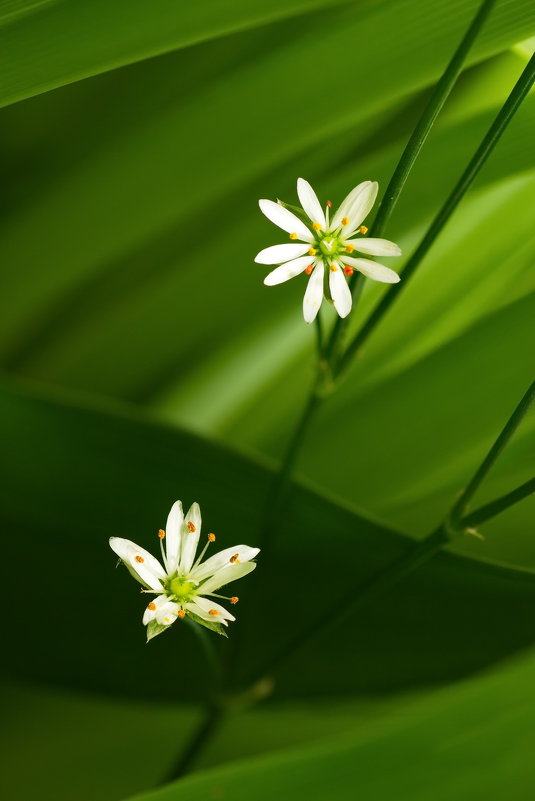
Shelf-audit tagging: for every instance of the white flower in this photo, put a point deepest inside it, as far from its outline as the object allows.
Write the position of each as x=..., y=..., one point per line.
x=184, y=585
x=325, y=250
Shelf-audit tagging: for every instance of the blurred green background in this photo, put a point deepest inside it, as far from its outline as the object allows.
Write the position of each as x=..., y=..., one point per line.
x=144, y=361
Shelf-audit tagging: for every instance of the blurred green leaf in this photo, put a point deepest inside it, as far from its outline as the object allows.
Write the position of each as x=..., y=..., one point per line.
x=105, y=35
x=73, y=475
x=470, y=742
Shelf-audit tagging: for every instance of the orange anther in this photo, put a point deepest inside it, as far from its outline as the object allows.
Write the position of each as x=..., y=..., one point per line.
x=139, y=559
x=312, y=251
x=191, y=527
x=316, y=226
x=363, y=229
x=151, y=606
x=293, y=236
x=309, y=269
x=235, y=558
x=348, y=270
x=211, y=537
x=161, y=533
x=181, y=613
x=345, y=220
x=234, y=599
x=333, y=268
x=350, y=248
x=213, y=612
x=329, y=204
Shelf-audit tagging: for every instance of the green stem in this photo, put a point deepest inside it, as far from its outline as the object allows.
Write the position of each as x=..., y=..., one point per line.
x=211, y=721
x=282, y=479
x=318, y=326
x=426, y=121
x=454, y=523
x=359, y=596
x=413, y=147
x=207, y=644
x=496, y=507
x=460, y=507
x=479, y=158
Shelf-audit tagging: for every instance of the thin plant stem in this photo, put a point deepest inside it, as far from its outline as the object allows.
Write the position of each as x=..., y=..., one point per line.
x=359, y=596
x=318, y=326
x=414, y=145
x=211, y=721
x=330, y=350
x=460, y=507
x=282, y=478
x=417, y=555
x=429, y=115
x=499, y=505
x=490, y=140
x=207, y=644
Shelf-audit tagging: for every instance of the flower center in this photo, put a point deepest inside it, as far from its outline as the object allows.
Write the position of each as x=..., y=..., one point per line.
x=181, y=588
x=329, y=245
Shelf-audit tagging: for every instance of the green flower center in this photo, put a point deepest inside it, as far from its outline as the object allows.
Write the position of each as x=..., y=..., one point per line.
x=181, y=588
x=330, y=246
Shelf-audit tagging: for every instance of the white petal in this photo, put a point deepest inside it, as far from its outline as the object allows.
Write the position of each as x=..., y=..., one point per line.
x=314, y=294
x=191, y=529
x=203, y=606
x=243, y=553
x=360, y=208
x=347, y=203
x=141, y=564
x=310, y=203
x=167, y=613
x=288, y=270
x=375, y=247
x=225, y=575
x=285, y=219
x=150, y=614
x=340, y=291
x=276, y=254
x=172, y=537
x=378, y=272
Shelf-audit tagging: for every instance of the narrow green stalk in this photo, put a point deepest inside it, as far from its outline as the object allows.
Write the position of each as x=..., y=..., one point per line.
x=414, y=145
x=211, y=721
x=460, y=508
x=496, y=507
x=479, y=158
x=424, y=550
x=206, y=640
x=359, y=596
x=318, y=326
x=426, y=121
x=282, y=479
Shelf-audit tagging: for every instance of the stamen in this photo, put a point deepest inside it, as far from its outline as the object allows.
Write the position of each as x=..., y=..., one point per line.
x=234, y=599
x=213, y=612
x=166, y=620
x=312, y=251
x=350, y=248
x=211, y=537
x=345, y=220
x=151, y=606
x=309, y=269
x=363, y=229
x=181, y=614
x=333, y=268
x=316, y=226
x=329, y=204
x=235, y=558
x=348, y=270
x=139, y=559
x=293, y=236
x=191, y=527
